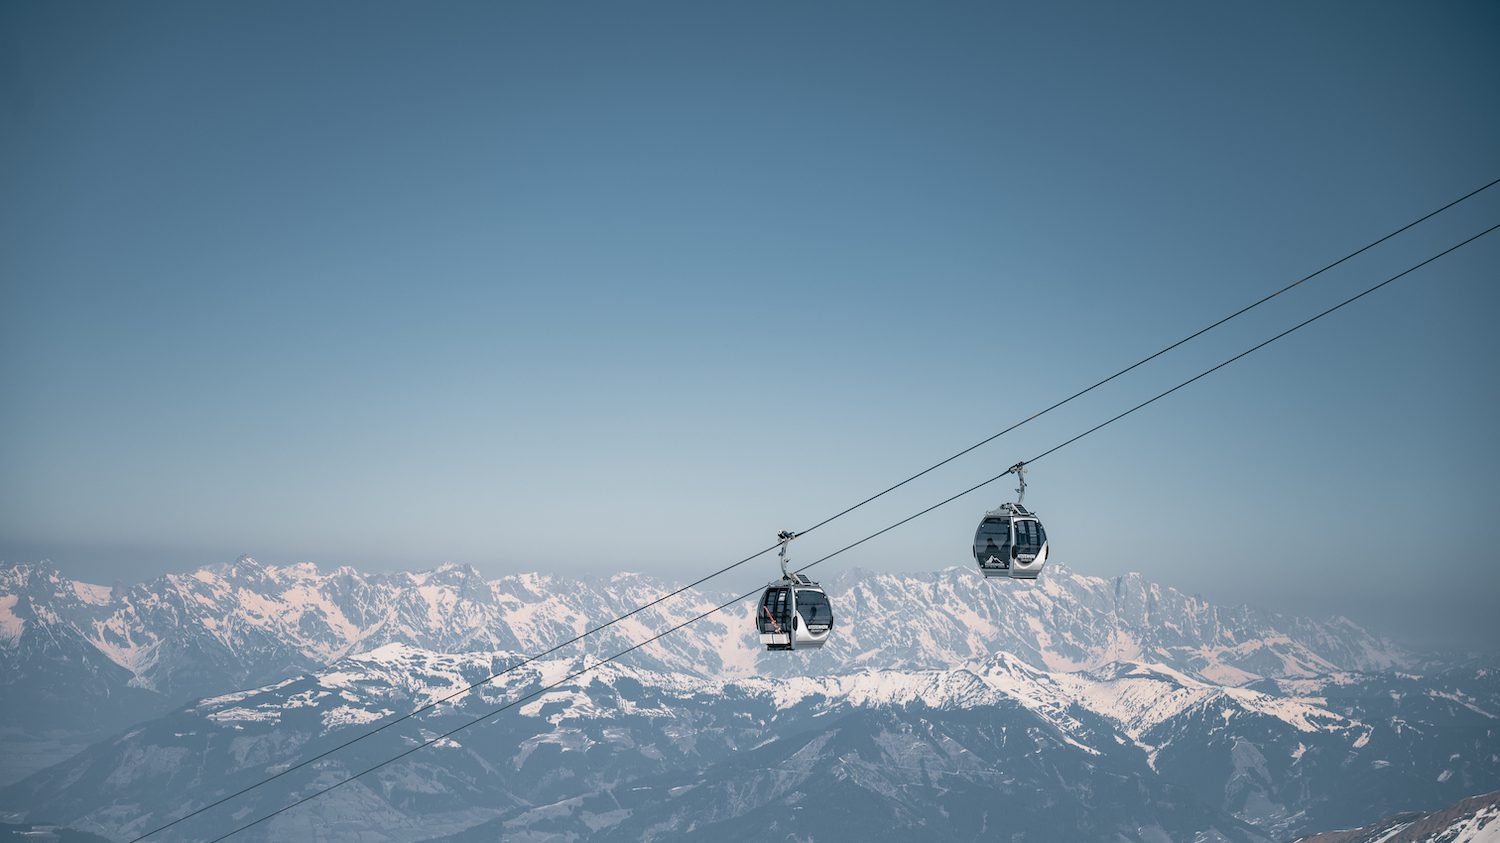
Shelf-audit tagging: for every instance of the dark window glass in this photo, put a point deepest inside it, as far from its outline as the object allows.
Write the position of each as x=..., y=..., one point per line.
x=814, y=608
x=1029, y=536
x=773, y=606
x=993, y=539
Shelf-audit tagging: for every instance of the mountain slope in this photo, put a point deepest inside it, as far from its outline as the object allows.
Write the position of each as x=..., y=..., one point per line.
x=1134, y=750
x=1473, y=820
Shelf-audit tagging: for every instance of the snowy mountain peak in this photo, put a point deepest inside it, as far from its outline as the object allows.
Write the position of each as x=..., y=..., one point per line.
x=296, y=616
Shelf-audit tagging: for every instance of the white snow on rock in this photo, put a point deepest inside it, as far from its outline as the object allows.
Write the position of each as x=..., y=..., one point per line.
x=251, y=622
x=11, y=625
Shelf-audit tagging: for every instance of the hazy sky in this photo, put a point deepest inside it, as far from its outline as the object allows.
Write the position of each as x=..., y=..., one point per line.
x=589, y=287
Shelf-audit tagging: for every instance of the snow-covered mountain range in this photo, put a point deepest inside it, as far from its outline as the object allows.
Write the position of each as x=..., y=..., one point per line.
x=121, y=654
x=244, y=618
x=1076, y=708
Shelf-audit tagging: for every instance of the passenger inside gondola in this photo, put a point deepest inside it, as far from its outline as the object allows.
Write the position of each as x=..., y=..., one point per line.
x=991, y=550
x=993, y=541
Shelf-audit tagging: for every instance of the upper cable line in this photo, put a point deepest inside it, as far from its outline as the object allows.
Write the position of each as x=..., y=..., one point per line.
x=1065, y=443
x=1147, y=359
x=729, y=567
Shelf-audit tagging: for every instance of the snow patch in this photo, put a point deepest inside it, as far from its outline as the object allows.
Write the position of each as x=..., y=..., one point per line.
x=347, y=715
x=1444, y=695
x=95, y=595
x=11, y=624
x=246, y=715
x=240, y=696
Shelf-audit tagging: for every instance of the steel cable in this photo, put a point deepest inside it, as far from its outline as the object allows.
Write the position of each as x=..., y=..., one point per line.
x=587, y=668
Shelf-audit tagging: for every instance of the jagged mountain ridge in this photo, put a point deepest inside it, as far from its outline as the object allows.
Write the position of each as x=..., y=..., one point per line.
x=256, y=618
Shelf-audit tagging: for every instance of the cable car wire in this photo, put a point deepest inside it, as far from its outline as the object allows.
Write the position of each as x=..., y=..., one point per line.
x=587, y=667
x=440, y=700
x=1144, y=360
x=727, y=568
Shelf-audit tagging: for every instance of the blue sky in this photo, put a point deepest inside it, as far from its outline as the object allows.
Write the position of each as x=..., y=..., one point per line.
x=632, y=286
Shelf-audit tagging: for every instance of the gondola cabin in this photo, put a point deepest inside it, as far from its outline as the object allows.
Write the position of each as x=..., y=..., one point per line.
x=1010, y=542
x=794, y=614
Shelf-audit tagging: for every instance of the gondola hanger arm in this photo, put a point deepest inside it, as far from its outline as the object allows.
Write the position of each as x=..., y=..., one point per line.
x=784, y=538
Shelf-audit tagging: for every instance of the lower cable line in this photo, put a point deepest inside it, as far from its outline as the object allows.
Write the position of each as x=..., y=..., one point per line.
x=1247, y=352
x=1147, y=359
x=587, y=668
x=440, y=700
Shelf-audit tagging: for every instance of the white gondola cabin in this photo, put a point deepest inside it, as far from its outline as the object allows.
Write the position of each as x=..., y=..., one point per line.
x=1010, y=541
x=794, y=612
